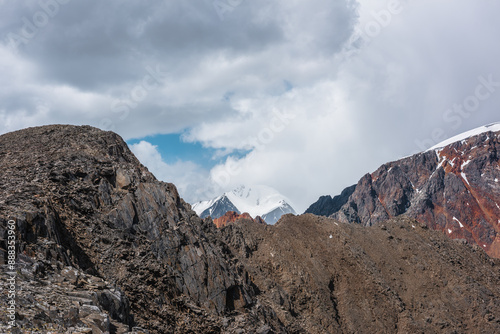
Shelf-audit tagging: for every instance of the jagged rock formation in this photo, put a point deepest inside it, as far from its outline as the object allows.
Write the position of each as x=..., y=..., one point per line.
x=453, y=189
x=232, y=217
x=326, y=205
x=80, y=198
x=102, y=246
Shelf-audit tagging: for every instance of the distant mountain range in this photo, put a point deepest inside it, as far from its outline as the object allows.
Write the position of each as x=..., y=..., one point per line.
x=261, y=201
x=452, y=187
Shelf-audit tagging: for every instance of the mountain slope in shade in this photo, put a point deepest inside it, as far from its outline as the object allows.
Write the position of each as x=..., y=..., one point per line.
x=261, y=201
x=327, y=205
x=453, y=188
x=215, y=208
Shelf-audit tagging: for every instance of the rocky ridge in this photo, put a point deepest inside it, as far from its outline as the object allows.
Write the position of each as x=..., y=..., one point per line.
x=327, y=205
x=453, y=189
x=105, y=247
x=81, y=199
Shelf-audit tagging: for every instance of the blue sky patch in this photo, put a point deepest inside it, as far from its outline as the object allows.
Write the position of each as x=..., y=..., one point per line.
x=173, y=148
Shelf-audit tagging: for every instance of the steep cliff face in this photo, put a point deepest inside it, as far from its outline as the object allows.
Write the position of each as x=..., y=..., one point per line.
x=454, y=189
x=327, y=205
x=81, y=199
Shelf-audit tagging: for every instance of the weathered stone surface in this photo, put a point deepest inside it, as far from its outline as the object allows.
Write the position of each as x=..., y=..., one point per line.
x=455, y=190
x=81, y=199
x=326, y=205
x=323, y=276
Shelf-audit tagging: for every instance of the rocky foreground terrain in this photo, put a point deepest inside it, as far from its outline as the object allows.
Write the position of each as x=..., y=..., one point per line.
x=102, y=246
x=454, y=189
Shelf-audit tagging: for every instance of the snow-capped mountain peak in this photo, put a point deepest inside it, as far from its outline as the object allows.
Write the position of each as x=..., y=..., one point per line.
x=493, y=127
x=258, y=200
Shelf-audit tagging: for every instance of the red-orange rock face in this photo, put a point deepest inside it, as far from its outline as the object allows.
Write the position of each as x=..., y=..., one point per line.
x=232, y=216
x=455, y=189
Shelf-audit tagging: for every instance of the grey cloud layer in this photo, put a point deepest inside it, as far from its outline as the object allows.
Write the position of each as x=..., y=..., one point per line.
x=104, y=48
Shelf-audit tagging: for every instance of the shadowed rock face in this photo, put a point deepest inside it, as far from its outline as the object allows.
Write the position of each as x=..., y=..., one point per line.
x=326, y=205
x=455, y=190
x=104, y=246
x=81, y=199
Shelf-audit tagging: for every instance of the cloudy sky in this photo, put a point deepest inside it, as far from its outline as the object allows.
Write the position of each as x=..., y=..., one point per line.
x=304, y=96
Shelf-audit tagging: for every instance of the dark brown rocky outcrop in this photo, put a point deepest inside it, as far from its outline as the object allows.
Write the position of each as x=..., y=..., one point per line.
x=327, y=205
x=454, y=189
x=80, y=198
x=322, y=276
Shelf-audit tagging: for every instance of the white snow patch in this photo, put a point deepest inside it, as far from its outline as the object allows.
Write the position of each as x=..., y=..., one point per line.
x=465, y=178
x=331, y=236
x=465, y=164
x=413, y=226
x=496, y=180
x=484, y=245
x=441, y=161
x=497, y=206
x=449, y=231
x=256, y=200
x=494, y=127
x=202, y=206
x=454, y=218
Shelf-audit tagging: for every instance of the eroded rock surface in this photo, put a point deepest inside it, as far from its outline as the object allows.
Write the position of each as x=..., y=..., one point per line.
x=80, y=198
x=323, y=276
x=455, y=189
